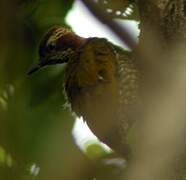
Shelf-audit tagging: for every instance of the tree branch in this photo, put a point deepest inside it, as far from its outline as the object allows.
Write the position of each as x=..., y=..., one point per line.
x=121, y=31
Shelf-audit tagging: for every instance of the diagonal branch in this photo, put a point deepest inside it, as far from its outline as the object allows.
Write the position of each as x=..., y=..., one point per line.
x=121, y=31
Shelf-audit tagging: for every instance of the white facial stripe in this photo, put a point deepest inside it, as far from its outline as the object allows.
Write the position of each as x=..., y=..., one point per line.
x=57, y=34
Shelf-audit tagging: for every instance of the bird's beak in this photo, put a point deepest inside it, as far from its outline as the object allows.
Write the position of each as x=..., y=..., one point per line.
x=43, y=63
x=35, y=68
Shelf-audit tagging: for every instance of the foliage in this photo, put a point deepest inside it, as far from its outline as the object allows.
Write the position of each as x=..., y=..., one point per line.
x=30, y=107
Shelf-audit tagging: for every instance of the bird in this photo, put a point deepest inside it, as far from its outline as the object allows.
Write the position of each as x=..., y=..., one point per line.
x=101, y=82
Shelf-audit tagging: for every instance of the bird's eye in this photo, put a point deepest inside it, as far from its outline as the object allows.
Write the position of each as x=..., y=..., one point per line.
x=52, y=46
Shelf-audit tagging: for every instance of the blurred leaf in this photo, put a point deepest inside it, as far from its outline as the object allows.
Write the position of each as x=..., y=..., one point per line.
x=5, y=158
x=95, y=150
x=2, y=155
x=3, y=103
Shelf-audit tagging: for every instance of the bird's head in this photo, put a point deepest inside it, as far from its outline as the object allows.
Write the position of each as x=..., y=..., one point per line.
x=57, y=46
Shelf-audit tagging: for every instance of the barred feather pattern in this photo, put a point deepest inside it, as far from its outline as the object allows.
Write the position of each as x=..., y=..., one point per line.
x=129, y=83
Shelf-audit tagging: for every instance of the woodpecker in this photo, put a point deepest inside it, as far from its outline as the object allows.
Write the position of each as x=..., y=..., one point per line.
x=101, y=83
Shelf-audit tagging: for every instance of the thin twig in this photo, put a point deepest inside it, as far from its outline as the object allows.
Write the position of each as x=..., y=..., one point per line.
x=121, y=31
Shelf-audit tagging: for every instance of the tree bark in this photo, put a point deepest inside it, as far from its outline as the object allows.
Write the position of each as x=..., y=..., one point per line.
x=160, y=148
x=165, y=16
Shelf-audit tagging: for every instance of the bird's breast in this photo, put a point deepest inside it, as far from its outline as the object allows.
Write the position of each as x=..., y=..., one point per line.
x=98, y=106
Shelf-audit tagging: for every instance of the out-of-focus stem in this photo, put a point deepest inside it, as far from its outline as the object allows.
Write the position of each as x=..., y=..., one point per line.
x=121, y=31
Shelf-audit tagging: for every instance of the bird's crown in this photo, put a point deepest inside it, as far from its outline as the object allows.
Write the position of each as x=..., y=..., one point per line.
x=52, y=40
